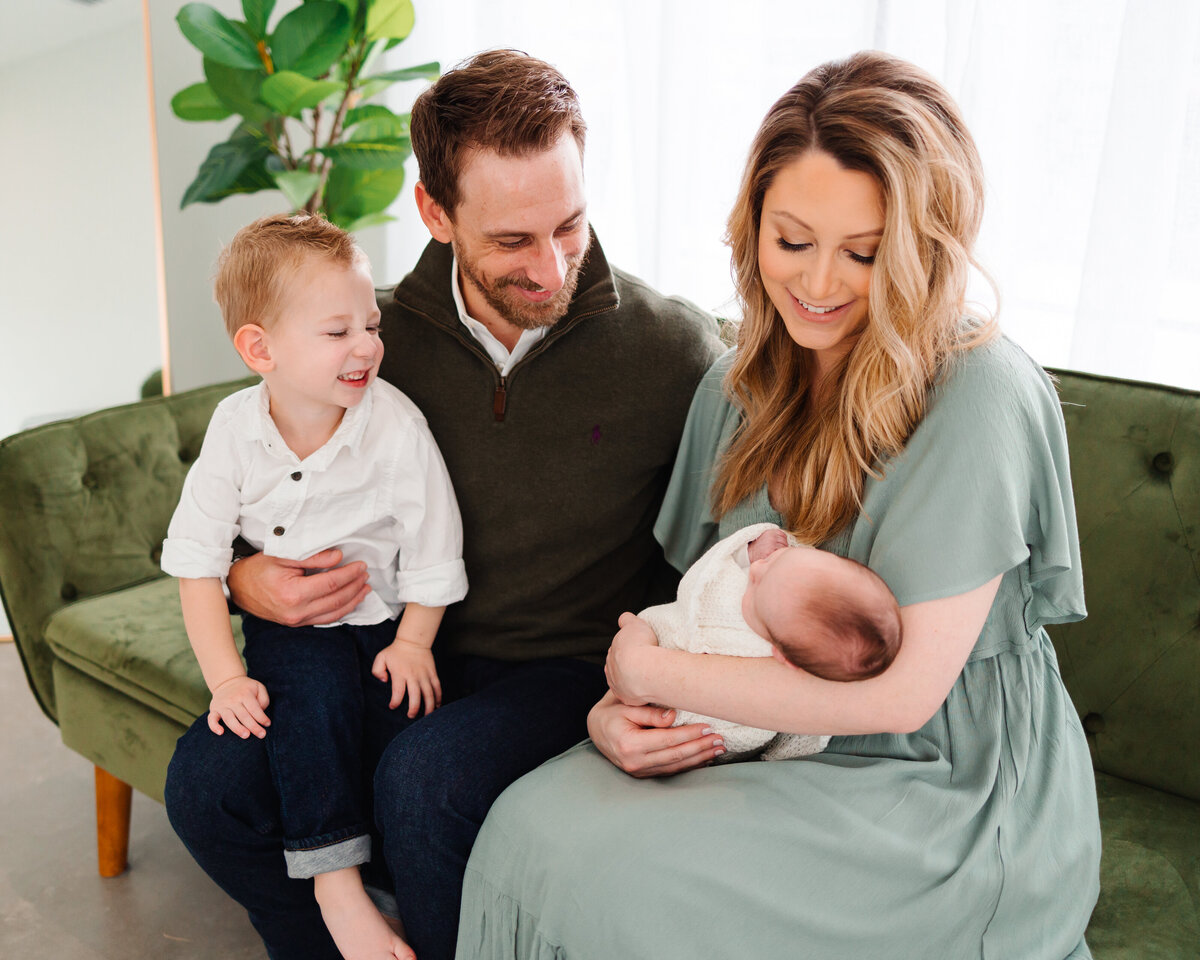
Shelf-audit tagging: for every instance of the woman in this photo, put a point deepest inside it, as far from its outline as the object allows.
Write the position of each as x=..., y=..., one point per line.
x=953, y=813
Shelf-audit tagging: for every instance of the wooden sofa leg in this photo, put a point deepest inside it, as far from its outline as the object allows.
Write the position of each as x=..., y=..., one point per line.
x=113, y=798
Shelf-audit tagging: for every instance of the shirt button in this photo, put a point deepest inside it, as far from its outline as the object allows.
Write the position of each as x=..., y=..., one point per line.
x=297, y=475
x=278, y=531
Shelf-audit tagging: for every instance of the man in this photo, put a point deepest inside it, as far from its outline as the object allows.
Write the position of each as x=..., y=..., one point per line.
x=556, y=387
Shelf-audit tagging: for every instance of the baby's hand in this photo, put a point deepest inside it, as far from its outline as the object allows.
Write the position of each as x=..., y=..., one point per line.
x=766, y=544
x=241, y=703
x=411, y=669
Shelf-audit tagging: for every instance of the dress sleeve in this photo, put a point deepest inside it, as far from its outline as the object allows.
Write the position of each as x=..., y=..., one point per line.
x=685, y=525
x=205, y=523
x=982, y=486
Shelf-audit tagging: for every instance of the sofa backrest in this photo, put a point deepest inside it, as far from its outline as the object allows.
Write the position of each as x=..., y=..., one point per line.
x=1133, y=666
x=84, y=506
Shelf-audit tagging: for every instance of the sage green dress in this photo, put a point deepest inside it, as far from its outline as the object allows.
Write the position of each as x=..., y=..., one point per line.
x=975, y=837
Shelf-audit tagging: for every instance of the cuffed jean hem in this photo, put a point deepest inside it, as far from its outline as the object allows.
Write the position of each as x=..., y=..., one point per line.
x=303, y=864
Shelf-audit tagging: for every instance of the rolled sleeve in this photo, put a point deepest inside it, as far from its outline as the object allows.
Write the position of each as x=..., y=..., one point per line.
x=193, y=560
x=430, y=570
x=434, y=586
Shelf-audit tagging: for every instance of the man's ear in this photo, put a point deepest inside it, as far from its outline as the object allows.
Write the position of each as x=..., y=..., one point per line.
x=251, y=343
x=434, y=215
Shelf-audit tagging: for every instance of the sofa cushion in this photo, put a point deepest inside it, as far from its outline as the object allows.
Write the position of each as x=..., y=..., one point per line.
x=1149, y=906
x=134, y=640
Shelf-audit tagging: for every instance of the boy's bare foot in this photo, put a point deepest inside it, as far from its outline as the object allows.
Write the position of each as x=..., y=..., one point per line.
x=358, y=928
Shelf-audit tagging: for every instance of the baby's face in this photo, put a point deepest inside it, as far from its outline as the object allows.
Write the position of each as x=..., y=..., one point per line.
x=768, y=605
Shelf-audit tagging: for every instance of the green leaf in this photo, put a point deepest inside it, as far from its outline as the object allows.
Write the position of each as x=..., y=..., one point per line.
x=392, y=19
x=235, y=166
x=297, y=185
x=374, y=52
x=257, y=13
x=216, y=37
x=238, y=89
x=351, y=195
x=375, y=122
x=369, y=154
x=367, y=111
x=198, y=102
x=289, y=93
x=426, y=71
x=370, y=220
x=311, y=38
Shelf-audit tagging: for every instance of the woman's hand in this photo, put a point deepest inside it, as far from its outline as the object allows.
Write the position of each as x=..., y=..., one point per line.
x=279, y=590
x=641, y=741
x=624, y=666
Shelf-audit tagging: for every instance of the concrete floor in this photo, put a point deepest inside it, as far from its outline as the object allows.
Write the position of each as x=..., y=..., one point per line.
x=53, y=903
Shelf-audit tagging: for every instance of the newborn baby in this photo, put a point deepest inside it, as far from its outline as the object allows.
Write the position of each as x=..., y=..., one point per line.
x=758, y=594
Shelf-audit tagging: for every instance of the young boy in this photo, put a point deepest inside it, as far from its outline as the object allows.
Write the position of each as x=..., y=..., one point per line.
x=754, y=594
x=319, y=455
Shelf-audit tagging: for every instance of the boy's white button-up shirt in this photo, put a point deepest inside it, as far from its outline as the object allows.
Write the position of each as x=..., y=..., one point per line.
x=378, y=490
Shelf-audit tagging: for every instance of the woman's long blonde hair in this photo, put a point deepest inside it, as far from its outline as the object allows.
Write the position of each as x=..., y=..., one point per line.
x=883, y=116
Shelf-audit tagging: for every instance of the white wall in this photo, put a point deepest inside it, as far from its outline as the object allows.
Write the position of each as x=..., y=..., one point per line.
x=78, y=309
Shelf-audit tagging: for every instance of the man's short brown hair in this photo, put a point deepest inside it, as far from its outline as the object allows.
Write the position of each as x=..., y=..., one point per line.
x=501, y=100
x=254, y=270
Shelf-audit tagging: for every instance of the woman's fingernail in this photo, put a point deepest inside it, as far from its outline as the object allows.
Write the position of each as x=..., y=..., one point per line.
x=706, y=731
x=719, y=743
x=718, y=753
x=665, y=714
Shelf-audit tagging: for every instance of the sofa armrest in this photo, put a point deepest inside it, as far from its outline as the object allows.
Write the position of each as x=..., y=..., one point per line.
x=84, y=507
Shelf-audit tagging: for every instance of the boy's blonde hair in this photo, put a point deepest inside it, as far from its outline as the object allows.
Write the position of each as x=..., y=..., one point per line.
x=256, y=267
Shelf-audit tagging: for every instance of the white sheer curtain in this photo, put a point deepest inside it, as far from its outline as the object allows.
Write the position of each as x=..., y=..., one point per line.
x=1087, y=113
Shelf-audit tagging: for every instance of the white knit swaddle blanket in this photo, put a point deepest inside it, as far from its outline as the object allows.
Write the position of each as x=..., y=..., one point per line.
x=706, y=617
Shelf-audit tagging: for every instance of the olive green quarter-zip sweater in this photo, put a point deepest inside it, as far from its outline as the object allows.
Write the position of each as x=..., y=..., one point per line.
x=560, y=467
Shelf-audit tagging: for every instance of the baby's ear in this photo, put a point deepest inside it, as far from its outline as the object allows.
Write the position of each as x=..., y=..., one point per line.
x=778, y=655
x=251, y=344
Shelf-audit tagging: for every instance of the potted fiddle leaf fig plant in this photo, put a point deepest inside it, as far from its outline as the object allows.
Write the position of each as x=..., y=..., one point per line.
x=301, y=90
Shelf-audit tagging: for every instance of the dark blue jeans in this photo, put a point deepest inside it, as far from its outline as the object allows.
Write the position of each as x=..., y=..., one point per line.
x=319, y=680
x=437, y=778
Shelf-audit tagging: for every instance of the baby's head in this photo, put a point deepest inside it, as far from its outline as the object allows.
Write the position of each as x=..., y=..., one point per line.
x=832, y=617
x=298, y=302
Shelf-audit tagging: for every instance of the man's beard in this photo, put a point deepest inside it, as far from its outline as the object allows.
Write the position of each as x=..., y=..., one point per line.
x=514, y=308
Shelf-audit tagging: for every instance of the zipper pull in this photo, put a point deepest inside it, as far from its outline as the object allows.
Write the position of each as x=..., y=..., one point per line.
x=499, y=400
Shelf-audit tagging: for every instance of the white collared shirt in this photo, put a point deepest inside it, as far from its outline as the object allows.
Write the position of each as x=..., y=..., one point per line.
x=500, y=354
x=377, y=490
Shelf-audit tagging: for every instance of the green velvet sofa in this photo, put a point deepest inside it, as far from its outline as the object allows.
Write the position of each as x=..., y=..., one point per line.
x=84, y=505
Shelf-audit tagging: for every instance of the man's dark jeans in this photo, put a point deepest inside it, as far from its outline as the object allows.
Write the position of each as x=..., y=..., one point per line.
x=437, y=778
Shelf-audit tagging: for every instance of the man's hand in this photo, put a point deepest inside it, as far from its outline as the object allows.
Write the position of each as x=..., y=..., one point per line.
x=411, y=669
x=241, y=703
x=642, y=742
x=625, y=655
x=278, y=590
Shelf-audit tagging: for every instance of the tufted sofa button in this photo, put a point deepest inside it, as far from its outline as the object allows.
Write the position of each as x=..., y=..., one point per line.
x=1093, y=724
x=156, y=554
x=68, y=591
x=1163, y=463
x=185, y=455
x=89, y=481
